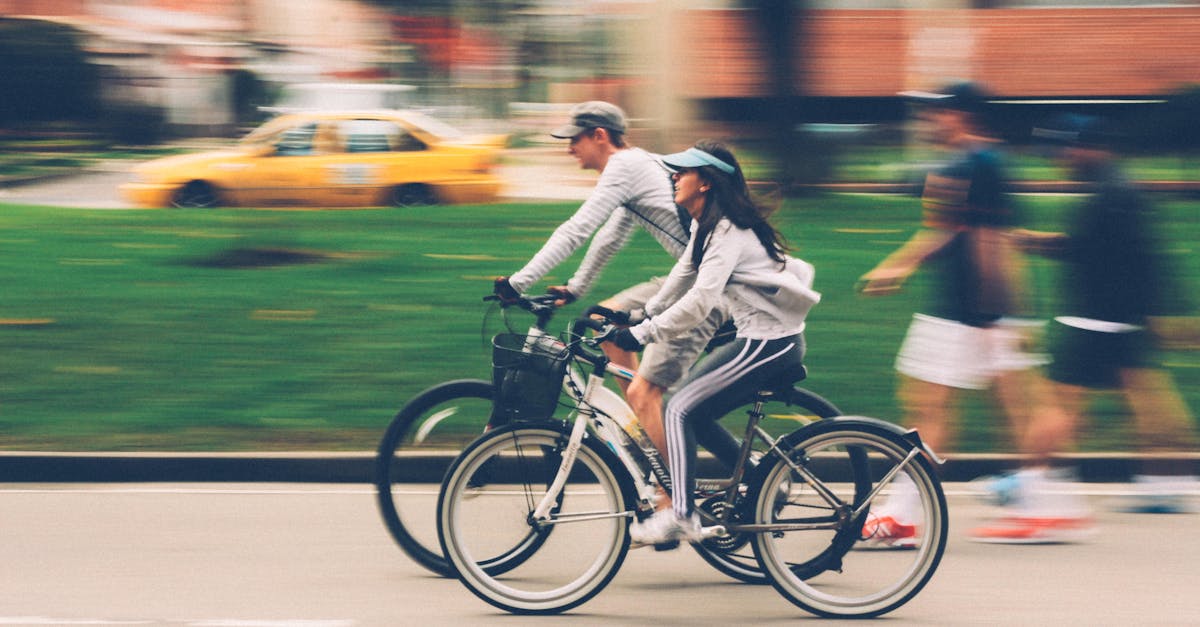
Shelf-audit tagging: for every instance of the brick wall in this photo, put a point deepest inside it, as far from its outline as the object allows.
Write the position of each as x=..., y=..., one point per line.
x=1016, y=52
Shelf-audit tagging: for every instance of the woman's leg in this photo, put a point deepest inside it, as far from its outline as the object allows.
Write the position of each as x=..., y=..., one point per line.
x=729, y=371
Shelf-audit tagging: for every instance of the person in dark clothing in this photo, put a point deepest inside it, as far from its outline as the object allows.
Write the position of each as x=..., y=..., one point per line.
x=1113, y=283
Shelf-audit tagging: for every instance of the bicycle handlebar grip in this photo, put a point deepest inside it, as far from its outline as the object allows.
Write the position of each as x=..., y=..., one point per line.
x=590, y=323
x=611, y=315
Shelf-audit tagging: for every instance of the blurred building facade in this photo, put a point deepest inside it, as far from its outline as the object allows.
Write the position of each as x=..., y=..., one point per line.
x=667, y=61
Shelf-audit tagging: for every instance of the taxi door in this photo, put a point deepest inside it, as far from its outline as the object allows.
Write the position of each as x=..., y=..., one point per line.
x=355, y=175
x=280, y=176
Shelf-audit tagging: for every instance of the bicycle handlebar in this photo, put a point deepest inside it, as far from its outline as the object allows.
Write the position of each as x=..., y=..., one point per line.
x=544, y=305
x=540, y=305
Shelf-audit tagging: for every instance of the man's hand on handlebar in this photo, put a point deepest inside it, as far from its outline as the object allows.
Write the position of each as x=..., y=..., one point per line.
x=563, y=296
x=504, y=290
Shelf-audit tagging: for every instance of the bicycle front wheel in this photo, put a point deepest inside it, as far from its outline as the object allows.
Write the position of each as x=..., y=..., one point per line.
x=831, y=496
x=486, y=508
x=439, y=422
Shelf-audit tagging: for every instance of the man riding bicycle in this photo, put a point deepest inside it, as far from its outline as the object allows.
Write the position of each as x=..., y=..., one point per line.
x=634, y=189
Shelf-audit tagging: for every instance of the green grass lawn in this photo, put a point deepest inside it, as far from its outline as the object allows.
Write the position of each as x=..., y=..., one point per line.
x=300, y=330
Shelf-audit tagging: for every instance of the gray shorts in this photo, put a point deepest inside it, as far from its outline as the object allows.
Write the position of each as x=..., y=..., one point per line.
x=664, y=363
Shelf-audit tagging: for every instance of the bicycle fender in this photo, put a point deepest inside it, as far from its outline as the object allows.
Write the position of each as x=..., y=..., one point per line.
x=910, y=436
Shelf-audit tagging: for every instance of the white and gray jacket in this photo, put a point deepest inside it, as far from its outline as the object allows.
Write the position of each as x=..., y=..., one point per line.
x=767, y=299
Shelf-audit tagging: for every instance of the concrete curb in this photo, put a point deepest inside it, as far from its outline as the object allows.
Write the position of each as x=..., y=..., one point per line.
x=427, y=467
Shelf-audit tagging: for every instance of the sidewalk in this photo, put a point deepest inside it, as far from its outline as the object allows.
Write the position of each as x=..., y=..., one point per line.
x=421, y=467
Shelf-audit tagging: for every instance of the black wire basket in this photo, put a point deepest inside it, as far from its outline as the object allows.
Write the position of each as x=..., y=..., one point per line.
x=527, y=372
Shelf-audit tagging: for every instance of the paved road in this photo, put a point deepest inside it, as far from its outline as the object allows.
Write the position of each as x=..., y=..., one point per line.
x=316, y=555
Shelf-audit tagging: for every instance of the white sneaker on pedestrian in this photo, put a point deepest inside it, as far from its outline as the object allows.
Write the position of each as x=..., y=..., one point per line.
x=1050, y=511
x=1153, y=494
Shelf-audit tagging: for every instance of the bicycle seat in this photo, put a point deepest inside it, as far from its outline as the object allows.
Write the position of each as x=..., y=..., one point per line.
x=787, y=379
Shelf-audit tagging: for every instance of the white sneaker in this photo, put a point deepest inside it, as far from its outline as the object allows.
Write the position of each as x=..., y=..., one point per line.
x=664, y=530
x=1160, y=495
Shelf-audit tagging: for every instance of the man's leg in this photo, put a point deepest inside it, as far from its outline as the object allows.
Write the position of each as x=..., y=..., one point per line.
x=646, y=398
x=1040, y=423
x=628, y=299
x=1163, y=421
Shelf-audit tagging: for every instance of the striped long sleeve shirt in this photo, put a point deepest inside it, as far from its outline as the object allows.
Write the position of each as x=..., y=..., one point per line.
x=633, y=189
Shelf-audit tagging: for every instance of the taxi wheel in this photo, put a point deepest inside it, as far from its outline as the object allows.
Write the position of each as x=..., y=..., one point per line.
x=412, y=196
x=196, y=194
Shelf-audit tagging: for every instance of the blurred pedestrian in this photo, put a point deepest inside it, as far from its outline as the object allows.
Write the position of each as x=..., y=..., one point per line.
x=967, y=339
x=634, y=189
x=1113, y=282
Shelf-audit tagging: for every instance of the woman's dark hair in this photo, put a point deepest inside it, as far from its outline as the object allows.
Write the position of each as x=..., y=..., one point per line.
x=729, y=197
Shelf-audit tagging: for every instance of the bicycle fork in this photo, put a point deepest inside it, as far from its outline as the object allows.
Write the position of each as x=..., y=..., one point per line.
x=541, y=514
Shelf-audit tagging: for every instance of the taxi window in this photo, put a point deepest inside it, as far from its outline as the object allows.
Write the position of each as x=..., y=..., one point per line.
x=378, y=136
x=297, y=140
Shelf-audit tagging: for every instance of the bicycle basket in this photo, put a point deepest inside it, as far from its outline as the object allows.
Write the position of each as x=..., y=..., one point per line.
x=528, y=372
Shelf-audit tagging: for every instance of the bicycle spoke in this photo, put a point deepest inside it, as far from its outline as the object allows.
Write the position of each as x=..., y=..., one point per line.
x=580, y=544
x=819, y=561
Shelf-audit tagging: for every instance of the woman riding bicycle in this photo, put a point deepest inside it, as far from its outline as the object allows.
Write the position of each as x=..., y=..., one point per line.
x=736, y=254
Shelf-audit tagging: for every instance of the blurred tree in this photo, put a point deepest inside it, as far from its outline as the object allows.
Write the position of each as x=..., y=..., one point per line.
x=781, y=24
x=46, y=75
x=1175, y=127
x=1170, y=127
x=249, y=93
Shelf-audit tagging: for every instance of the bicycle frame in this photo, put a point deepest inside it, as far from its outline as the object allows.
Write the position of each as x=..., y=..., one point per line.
x=592, y=413
x=603, y=412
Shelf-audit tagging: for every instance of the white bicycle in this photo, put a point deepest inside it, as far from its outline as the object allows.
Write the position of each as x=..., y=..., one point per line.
x=533, y=516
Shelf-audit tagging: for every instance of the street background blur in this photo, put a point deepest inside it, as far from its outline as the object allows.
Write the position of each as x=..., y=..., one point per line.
x=815, y=83
x=139, y=331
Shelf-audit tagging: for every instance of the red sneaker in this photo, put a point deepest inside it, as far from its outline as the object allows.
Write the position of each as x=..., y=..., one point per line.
x=885, y=532
x=1035, y=530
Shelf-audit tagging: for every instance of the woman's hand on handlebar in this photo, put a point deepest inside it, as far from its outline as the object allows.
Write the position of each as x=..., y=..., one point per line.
x=624, y=340
x=615, y=316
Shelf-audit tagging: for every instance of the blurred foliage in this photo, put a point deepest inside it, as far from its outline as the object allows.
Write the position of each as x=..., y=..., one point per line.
x=46, y=75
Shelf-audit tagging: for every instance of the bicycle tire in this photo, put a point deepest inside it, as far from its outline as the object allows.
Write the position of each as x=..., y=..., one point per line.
x=594, y=509
x=415, y=420
x=889, y=578
x=732, y=555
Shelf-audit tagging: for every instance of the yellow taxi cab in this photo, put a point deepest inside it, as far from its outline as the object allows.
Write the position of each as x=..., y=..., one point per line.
x=329, y=159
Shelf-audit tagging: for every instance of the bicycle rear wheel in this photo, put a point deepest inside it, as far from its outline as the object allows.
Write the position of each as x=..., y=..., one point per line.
x=442, y=419
x=480, y=517
x=861, y=583
x=733, y=554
